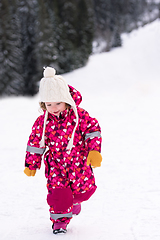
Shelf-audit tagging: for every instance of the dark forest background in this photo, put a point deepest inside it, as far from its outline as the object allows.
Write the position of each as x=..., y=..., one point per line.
x=62, y=34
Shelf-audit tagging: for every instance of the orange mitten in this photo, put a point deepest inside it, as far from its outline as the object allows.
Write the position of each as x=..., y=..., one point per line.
x=29, y=172
x=94, y=158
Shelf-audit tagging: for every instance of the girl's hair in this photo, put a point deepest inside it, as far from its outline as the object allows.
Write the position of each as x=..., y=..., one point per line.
x=43, y=106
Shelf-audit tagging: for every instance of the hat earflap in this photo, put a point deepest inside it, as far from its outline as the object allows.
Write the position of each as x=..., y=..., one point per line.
x=42, y=142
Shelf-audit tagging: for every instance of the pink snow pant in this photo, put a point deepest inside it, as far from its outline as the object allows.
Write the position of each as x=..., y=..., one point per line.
x=68, y=184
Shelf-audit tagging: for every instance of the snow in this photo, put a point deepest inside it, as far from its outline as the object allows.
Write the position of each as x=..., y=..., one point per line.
x=121, y=89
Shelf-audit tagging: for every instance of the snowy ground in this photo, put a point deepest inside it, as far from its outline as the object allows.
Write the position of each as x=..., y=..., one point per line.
x=122, y=90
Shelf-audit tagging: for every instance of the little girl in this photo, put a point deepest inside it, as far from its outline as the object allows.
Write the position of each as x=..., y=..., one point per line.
x=71, y=140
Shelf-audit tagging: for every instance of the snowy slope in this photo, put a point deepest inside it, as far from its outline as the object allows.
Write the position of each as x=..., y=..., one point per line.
x=121, y=89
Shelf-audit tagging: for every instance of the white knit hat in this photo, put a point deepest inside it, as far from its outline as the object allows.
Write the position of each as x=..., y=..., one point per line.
x=53, y=88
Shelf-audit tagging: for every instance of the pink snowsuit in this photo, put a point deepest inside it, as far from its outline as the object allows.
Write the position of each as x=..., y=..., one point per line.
x=69, y=179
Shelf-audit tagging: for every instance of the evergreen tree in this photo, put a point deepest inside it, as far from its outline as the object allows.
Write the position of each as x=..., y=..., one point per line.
x=113, y=17
x=85, y=29
x=75, y=31
x=105, y=19
x=46, y=49
x=11, y=80
x=27, y=12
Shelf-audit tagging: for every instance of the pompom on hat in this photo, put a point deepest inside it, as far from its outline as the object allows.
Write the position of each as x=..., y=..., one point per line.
x=53, y=88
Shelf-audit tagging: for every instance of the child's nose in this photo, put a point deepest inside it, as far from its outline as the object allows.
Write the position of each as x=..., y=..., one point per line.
x=54, y=108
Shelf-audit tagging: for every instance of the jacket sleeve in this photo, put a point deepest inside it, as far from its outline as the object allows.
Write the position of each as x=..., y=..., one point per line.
x=90, y=131
x=34, y=152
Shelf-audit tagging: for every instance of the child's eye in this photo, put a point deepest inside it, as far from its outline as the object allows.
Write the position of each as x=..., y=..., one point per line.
x=58, y=103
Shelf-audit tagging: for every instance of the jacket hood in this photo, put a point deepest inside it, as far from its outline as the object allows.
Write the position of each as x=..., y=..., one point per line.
x=76, y=95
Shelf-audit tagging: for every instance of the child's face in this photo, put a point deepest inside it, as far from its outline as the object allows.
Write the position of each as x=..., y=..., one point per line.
x=55, y=108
